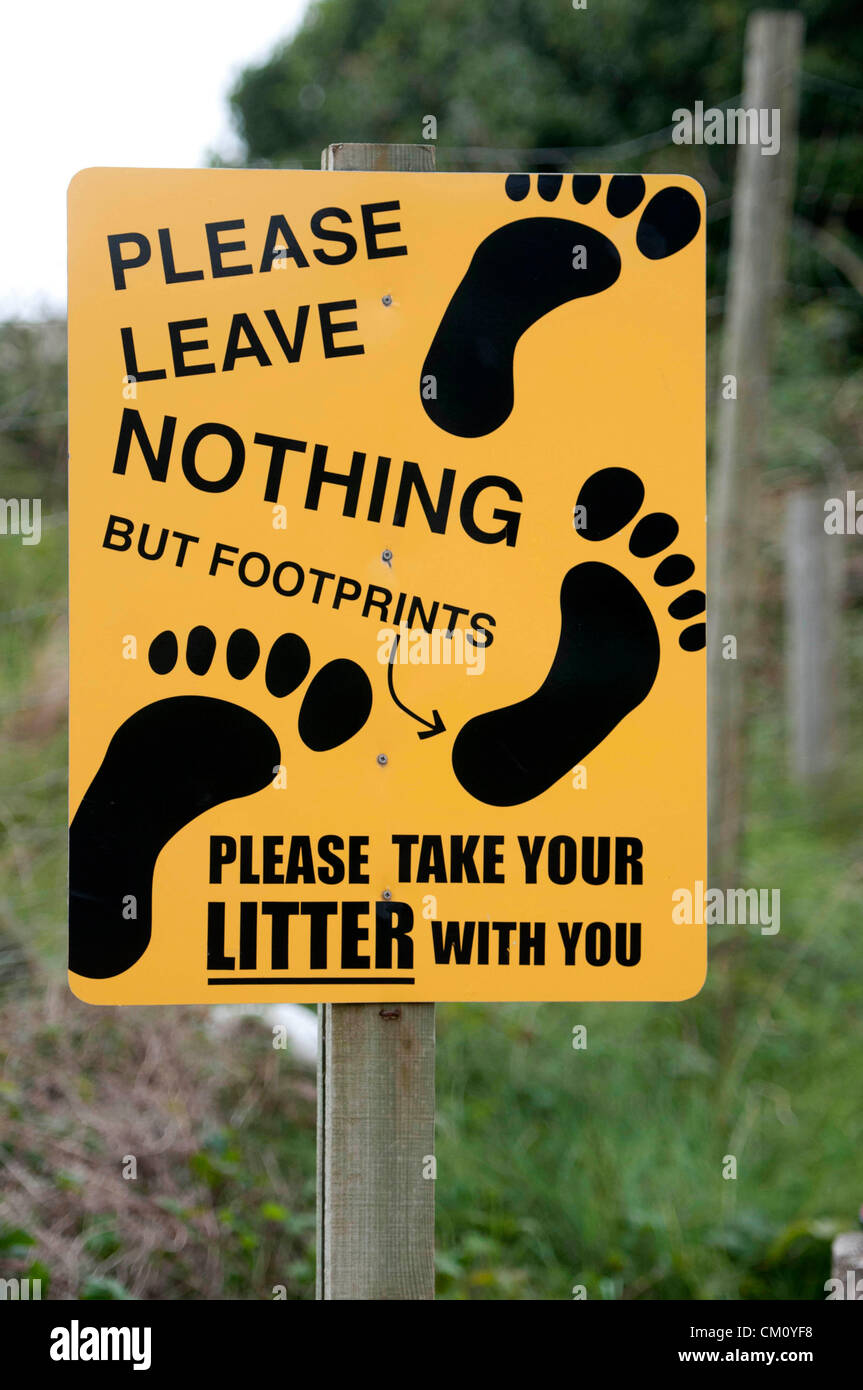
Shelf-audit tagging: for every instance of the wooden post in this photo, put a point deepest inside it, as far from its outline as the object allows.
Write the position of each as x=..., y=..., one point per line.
x=761, y=216
x=812, y=606
x=376, y=1103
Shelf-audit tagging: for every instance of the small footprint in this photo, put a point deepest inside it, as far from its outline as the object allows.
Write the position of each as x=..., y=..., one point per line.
x=172, y=761
x=524, y=270
x=605, y=664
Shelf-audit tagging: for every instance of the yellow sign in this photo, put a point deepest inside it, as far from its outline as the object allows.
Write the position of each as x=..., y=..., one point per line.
x=387, y=569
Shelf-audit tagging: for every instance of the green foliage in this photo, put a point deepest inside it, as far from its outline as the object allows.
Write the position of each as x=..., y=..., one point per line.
x=14, y=1241
x=110, y=1290
x=33, y=410
x=534, y=84
x=102, y=1239
x=510, y=73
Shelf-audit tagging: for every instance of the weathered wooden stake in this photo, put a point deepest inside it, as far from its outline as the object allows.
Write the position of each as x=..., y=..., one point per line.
x=376, y=1102
x=812, y=609
x=759, y=234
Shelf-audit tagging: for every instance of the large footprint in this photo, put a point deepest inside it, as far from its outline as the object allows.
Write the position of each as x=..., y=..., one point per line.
x=522, y=271
x=168, y=764
x=605, y=663
x=172, y=761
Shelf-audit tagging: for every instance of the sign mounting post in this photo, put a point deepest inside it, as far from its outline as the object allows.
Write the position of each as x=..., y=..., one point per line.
x=376, y=1087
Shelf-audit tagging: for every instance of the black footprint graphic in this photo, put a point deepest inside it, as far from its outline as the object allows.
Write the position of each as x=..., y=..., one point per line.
x=604, y=666
x=172, y=761
x=336, y=705
x=167, y=764
x=522, y=271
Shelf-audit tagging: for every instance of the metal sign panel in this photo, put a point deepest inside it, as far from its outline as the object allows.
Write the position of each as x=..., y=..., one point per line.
x=387, y=568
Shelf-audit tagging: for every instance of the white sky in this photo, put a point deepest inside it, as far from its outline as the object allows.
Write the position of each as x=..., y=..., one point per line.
x=104, y=82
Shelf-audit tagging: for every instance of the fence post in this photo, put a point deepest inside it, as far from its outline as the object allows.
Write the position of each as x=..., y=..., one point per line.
x=376, y=1102
x=760, y=220
x=812, y=604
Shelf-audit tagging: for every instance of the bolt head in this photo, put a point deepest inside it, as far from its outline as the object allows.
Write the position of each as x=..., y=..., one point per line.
x=383, y=759
x=387, y=300
x=387, y=894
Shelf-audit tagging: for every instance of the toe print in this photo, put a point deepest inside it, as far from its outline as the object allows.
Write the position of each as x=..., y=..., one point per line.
x=668, y=223
x=585, y=187
x=693, y=638
x=687, y=605
x=200, y=650
x=167, y=765
x=606, y=661
x=242, y=654
x=673, y=570
x=336, y=706
x=609, y=499
x=625, y=192
x=652, y=534
x=163, y=653
x=287, y=665
x=548, y=186
x=523, y=271
x=517, y=186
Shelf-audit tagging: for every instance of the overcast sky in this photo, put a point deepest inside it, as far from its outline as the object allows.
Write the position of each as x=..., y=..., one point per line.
x=101, y=82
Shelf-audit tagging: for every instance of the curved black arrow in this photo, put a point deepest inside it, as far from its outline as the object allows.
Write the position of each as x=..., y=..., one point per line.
x=433, y=726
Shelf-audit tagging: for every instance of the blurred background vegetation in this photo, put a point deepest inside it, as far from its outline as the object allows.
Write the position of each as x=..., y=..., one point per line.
x=556, y=1167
